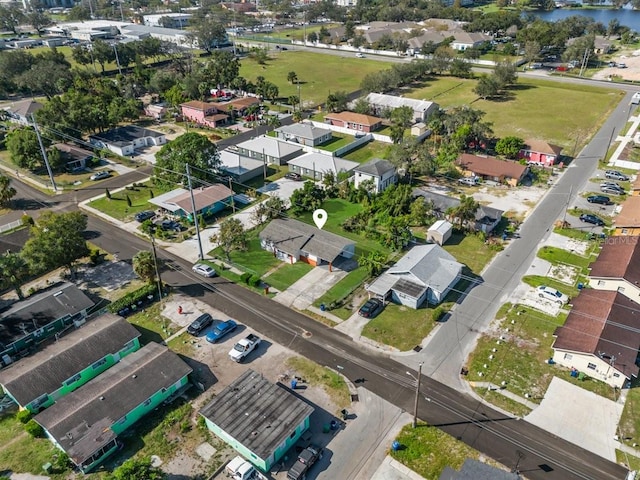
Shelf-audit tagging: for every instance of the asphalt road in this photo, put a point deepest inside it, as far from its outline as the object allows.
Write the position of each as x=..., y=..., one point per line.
x=455, y=340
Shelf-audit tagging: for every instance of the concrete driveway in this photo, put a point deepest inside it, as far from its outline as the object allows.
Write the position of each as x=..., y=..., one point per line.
x=310, y=287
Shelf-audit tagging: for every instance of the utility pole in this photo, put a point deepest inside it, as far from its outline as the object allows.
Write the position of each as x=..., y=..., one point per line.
x=44, y=153
x=566, y=207
x=264, y=164
x=233, y=205
x=115, y=49
x=193, y=214
x=415, y=404
x=155, y=262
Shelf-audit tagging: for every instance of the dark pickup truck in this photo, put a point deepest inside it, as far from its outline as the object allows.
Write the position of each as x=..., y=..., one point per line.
x=305, y=461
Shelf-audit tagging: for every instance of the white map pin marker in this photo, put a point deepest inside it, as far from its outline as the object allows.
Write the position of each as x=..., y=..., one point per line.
x=320, y=217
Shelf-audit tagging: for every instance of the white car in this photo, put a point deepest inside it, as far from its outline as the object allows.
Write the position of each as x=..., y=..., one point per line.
x=552, y=294
x=204, y=270
x=469, y=181
x=360, y=55
x=100, y=175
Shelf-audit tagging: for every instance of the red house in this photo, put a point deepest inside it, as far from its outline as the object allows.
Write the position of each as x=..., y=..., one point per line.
x=204, y=113
x=539, y=152
x=354, y=121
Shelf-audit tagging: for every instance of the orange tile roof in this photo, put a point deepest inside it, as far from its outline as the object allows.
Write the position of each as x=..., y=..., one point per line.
x=353, y=117
x=198, y=105
x=629, y=216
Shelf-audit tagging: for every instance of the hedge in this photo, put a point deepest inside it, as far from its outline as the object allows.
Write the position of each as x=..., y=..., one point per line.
x=134, y=298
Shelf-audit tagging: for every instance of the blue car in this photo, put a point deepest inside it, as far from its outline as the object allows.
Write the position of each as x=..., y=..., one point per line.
x=220, y=329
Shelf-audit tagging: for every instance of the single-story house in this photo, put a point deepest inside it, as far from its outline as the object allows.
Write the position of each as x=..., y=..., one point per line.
x=125, y=140
x=541, y=152
x=627, y=222
x=155, y=110
x=381, y=173
x=316, y=165
x=486, y=217
x=31, y=321
x=239, y=105
x=491, y=168
x=20, y=112
x=354, y=121
x=239, y=167
x=439, y=232
x=304, y=134
x=76, y=158
x=617, y=267
x=600, y=337
x=292, y=240
x=271, y=149
x=426, y=272
x=463, y=40
x=167, y=20
x=259, y=419
x=208, y=200
x=204, y=113
x=86, y=423
x=422, y=109
x=429, y=37
x=36, y=382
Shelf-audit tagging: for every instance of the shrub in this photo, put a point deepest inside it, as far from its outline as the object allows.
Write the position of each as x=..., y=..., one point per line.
x=245, y=277
x=254, y=281
x=107, y=193
x=438, y=313
x=34, y=429
x=132, y=298
x=23, y=416
x=95, y=257
x=128, y=200
x=27, y=220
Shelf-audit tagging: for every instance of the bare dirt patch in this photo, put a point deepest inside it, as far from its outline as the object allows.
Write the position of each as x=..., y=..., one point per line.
x=632, y=71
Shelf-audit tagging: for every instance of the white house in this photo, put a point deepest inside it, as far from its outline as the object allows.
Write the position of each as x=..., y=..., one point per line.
x=600, y=337
x=269, y=149
x=422, y=109
x=125, y=140
x=316, y=165
x=380, y=172
x=616, y=268
x=304, y=133
x=426, y=272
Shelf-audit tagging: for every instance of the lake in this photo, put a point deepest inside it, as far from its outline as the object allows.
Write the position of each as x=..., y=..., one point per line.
x=627, y=17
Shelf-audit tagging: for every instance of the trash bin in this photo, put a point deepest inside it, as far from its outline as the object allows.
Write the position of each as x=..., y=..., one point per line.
x=326, y=428
x=334, y=425
x=322, y=307
x=294, y=384
x=580, y=286
x=395, y=445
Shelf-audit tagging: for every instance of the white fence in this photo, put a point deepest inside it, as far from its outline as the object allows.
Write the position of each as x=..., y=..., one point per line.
x=10, y=226
x=625, y=164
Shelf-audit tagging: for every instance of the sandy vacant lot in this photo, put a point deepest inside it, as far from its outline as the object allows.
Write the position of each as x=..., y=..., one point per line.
x=630, y=58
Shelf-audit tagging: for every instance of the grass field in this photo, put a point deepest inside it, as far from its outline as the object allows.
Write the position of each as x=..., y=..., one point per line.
x=342, y=290
x=318, y=74
x=117, y=206
x=532, y=109
x=470, y=250
x=368, y=151
x=287, y=275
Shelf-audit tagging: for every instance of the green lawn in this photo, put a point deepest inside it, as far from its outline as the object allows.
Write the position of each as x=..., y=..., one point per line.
x=153, y=327
x=331, y=382
x=254, y=259
x=559, y=255
x=630, y=420
x=337, y=141
x=401, y=327
x=318, y=74
x=368, y=151
x=287, y=275
x=537, y=280
x=117, y=206
x=471, y=250
x=532, y=111
x=428, y=450
x=341, y=291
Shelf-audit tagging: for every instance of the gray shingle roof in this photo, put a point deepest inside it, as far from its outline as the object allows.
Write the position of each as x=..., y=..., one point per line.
x=80, y=421
x=41, y=309
x=318, y=162
x=304, y=130
x=442, y=203
x=45, y=371
x=257, y=413
x=271, y=147
x=292, y=236
x=122, y=136
x=376, y=167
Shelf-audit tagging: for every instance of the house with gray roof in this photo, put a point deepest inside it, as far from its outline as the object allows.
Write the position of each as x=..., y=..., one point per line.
x=317, y=165
x=86, y=423
x=21, y=112
x=486, y=217
x=28, y=322
x=292, y=240
x=426, y=272
x=304, y=134
x=422, y=109
x=240, y=167
x=269, y=149
x=259, y=419
x=127, y=139
x=36, y=382
x=377, y=171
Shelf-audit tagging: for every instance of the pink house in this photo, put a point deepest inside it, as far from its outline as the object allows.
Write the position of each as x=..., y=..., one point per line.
x=540, y=153
x=203, y=113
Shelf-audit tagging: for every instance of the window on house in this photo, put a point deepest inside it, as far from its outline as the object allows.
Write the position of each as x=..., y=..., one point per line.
x=147, y=402
x=621, y=289
x=601, y=283
x=617, y=375
x=72, y=380
x=568, y=356
x=128, y=345
x=625, y=231
x=293, y=434
x=99, y=363
x=591, y=366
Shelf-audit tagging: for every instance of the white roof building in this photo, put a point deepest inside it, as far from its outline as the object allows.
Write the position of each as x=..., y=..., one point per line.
x=422, y=109
x=316, y=165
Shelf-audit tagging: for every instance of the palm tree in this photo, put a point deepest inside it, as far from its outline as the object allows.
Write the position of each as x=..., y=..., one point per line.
x=292, y=77
x=7, y=192
x=14, y=269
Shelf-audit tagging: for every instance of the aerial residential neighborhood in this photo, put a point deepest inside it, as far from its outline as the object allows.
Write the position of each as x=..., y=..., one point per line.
x=322, y=240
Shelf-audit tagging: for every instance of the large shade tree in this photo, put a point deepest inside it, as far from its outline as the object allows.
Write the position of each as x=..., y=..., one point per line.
x=56, y=241
x=24, y=149
x=231, y=236
x=13, y=270
x=7, y=192
x=144, y=266
x=191, y=148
